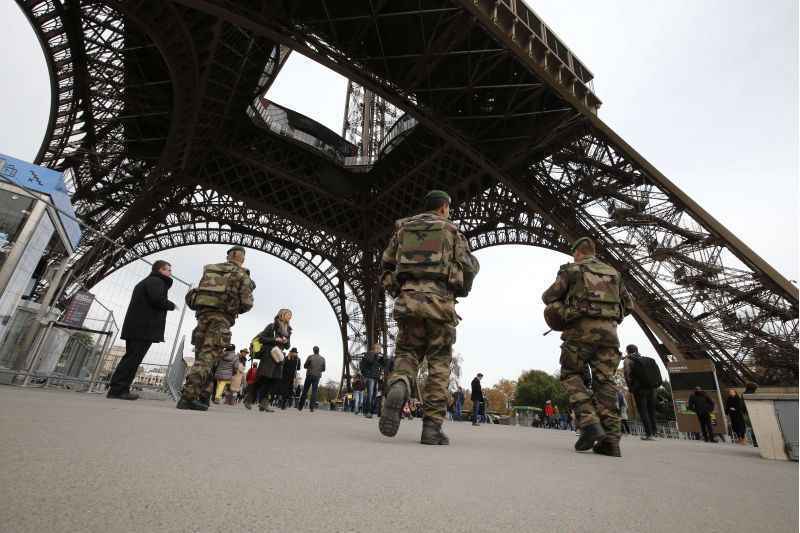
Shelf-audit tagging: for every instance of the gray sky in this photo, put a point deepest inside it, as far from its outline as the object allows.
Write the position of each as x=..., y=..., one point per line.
x=706, y=91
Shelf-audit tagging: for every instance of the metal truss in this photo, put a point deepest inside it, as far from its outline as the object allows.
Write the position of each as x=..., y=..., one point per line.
x=156, y=115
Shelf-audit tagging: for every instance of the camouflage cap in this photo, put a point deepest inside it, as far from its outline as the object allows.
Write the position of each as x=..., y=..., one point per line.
x=436, y=195
x=578, y=241
x=236, y=249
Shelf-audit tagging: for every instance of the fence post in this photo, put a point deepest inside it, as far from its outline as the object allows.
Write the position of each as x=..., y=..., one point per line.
x=101, y=355
x=175, y=343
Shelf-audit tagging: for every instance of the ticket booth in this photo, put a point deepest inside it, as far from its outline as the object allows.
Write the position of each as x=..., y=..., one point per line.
x=36, y=223
x=684, y=376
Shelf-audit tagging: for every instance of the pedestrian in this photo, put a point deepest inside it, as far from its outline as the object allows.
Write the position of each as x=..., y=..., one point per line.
x=477, y=399
x=426, y=266
x=225, y=291
x=734, y=408
x=549, y=413
x=224, y=371
x=371, y=367
x=702, y=405
x=358, y=393
x=315, y=366
x=586, y=302
x=269, y=346
x=237, y=381
x=458, y=403
x=145, y=322
x=290, y=368
x=622, y=404
x=643, y=378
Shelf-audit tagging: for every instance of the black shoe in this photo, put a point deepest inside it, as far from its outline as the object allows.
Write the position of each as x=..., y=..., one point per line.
x=368, y=415
x=247, y=405
x=432, y=434
x=589, y=436
x=609, y=446
x=123, y=396
x=191, y=405
x=475, y=424
x=392, y=407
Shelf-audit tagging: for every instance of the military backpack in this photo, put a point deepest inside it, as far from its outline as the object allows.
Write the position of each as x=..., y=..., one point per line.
x=421, y=250
x=212, y=290
x=595, y=292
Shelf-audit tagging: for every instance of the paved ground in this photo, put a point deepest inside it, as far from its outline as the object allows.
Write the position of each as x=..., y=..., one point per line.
x=75, y=462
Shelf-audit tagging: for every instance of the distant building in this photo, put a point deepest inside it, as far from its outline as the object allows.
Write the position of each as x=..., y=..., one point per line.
x=110, y=361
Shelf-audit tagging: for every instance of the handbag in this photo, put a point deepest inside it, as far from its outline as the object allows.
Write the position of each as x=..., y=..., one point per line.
x=277, y=354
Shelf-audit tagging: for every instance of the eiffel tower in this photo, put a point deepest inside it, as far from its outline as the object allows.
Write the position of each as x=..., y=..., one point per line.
x=159, y=119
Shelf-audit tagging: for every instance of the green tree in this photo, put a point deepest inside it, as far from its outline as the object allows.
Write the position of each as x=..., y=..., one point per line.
x=535, y=387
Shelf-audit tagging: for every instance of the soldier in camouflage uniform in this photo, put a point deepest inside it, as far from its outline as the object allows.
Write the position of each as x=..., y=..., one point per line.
x=426, y=265
x=225, y=291
x=591, y=299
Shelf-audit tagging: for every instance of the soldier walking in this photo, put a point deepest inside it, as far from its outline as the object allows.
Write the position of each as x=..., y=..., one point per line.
x=225, y=291
x=587, y=301
x=426, y=266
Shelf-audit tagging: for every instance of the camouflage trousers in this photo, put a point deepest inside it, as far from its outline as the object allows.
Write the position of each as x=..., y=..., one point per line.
x=600, y=404
x=419, y=339
x=210, y=337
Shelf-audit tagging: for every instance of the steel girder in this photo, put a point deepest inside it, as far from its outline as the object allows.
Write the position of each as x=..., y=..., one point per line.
x=506, y=124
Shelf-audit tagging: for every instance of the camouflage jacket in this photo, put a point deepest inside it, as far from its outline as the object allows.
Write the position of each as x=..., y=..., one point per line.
x=585, y=329
x=431, y=295
x=238, y=295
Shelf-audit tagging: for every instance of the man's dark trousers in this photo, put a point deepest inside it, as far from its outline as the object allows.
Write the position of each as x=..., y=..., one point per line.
x=126, y=369
x=705, y=426
x=313, y=382
x=476, y=411
x=646, y=404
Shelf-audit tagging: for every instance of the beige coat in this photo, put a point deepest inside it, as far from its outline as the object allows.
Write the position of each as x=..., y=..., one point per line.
x=238, y=378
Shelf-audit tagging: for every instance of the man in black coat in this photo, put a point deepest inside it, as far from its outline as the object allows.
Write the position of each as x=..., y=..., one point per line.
x=477, y=399
x=703, y=406
x=145, y=322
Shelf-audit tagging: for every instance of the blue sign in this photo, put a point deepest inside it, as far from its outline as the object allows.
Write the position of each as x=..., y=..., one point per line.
x=48, y=181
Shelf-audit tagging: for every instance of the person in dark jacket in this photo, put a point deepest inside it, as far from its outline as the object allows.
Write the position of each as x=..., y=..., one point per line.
x=703, y=406
x=291, y=366
x=734, y=408
x=145, y=322
x=477, y=399
x=371, y=367
x=315, y=366
x=644, y=395
x=270, y=372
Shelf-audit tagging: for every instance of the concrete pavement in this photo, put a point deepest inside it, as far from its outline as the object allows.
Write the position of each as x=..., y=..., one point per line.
x=78, y=462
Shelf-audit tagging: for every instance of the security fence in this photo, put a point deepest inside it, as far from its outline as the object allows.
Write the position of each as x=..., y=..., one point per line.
x=74, y=342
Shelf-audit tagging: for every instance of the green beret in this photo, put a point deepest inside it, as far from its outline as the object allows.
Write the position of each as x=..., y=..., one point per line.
x=437, y=195
x=236, y=249
x=577, y=242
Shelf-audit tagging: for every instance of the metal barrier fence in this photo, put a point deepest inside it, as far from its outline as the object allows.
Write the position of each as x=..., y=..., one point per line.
x=46, y=345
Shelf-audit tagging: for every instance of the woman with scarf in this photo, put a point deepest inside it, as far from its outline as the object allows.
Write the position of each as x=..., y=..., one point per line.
x=270, y=372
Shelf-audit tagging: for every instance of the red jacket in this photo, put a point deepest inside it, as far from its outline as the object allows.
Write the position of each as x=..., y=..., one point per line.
x=251, y=375
x=548, y=409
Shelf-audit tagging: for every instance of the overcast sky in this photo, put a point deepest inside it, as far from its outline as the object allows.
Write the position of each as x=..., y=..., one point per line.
x=706, y=91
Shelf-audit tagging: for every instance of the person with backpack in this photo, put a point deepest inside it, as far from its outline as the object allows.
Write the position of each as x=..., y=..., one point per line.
x=703, y=406
x=225, y=291
x=643, y=378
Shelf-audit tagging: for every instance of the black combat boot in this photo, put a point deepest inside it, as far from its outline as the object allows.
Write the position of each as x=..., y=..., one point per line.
x=589, y=436
x=608, y=446
x=192, y=405
x=432, y=433
x=392, y=406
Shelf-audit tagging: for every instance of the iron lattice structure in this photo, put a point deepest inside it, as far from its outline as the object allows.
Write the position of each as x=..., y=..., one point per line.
x=159, y=118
